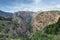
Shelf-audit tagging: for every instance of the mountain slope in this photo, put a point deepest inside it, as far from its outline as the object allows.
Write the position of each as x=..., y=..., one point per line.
x=6, y=14
x=53, y=28
x=24, y=18
x=45, y=18
x=25, y=15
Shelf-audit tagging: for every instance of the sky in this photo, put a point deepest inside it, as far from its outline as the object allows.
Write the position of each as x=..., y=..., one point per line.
x=29, y=5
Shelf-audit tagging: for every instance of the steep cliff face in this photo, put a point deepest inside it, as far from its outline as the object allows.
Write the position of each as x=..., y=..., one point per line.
x=45, y=18
x=20, y=24
x=23, y=18
x=25, y=15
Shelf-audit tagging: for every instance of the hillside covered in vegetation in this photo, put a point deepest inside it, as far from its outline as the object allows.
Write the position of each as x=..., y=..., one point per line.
x=24, y=26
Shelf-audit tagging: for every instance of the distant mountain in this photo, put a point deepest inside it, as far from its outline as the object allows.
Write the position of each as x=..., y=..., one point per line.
x=6, y=14
x=25, y=15
x=20, y=25
x=24, y=18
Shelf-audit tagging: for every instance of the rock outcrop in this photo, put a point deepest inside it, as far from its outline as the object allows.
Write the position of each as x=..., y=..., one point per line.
x=45, y=18
x=23, y=18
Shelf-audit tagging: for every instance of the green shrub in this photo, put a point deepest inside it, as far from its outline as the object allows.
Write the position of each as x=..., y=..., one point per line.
x=1, y=27
x=53, y=29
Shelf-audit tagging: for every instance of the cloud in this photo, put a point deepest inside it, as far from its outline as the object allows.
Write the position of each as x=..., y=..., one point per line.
x=58, y=6
x=36, y=2
x=35, y=5
x=54, y=7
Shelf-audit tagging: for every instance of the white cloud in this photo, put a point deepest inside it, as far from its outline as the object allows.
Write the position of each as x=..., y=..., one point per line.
x=36, y=2
x=35, y=6
x=58, y=6
x=53, y=7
